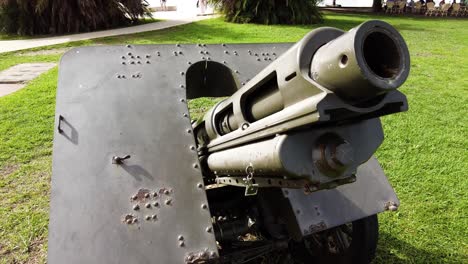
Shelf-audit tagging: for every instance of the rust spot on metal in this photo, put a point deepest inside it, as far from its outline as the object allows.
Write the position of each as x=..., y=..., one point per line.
x=129, y=219
x=202, y=256
x=165, y=191
x=391, y=206
x=314, y=228
x=141, y=195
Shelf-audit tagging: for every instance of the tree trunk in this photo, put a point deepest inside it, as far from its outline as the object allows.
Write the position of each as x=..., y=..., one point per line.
x=377, y=6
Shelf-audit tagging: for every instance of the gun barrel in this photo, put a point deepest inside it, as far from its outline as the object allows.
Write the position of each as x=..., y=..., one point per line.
x=328, y=76
x=363, y=63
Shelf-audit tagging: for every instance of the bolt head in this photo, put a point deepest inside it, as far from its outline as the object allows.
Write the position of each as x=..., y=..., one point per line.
x=392, y=207
x=147, y=195
x=181, y=244
x=154, y=217
x=344, y=154
x=209, y=229
x=204, y=206
x=168, y=202
x=155, y=204
x=148, y=217
x=136, y=207
x=148, y=205
x=200, y=185
x=180, y=237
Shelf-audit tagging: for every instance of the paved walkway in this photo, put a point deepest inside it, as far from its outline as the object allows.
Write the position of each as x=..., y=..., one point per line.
x=171, y=19
x=16, y=77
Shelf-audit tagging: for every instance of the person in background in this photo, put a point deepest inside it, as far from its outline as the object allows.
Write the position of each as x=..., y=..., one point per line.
x=202, y=4
x=163, y=5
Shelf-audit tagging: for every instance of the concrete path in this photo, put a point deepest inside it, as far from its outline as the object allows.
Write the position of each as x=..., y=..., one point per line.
x=172, y=19
x=16, y=77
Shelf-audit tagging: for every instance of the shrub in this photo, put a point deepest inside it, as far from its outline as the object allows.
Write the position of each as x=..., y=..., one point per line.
x=32, y=17
x=269, y=11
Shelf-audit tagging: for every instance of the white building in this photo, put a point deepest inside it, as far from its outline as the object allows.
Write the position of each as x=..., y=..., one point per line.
x=183, y=6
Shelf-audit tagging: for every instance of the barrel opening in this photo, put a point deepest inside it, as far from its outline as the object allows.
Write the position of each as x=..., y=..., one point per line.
x=382, y=55
x=343, y=61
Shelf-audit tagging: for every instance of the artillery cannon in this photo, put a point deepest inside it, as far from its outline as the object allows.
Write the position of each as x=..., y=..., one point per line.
x=280, y=170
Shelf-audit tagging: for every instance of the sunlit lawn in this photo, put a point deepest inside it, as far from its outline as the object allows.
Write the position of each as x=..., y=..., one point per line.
x=424, y=155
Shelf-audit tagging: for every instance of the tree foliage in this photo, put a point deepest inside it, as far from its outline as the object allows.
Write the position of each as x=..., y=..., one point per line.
x=29, y=17
x=269, y=11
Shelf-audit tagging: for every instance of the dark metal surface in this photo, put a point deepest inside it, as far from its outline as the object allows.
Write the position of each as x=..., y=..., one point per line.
x=370, y=194
x=114, y=102
x=131, y=100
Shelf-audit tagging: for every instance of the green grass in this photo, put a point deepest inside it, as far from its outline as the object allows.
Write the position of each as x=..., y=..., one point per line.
x=424, y=153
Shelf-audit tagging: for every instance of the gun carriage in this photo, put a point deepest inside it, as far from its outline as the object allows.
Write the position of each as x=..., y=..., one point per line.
x=281, y=169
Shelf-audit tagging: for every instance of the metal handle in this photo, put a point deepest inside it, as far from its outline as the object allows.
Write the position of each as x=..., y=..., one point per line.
x=119, y=160
x=59, y=128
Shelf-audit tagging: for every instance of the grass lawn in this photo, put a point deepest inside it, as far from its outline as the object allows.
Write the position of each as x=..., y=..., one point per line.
x=424, y=155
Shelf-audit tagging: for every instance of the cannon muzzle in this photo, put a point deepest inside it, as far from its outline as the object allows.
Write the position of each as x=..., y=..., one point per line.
x=367, y=61
x=312, y=113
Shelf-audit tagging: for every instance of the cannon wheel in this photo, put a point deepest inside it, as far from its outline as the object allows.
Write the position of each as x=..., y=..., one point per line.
x=355, y=242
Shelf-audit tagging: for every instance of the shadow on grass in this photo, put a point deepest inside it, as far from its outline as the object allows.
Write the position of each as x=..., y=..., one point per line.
x=393, y=250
